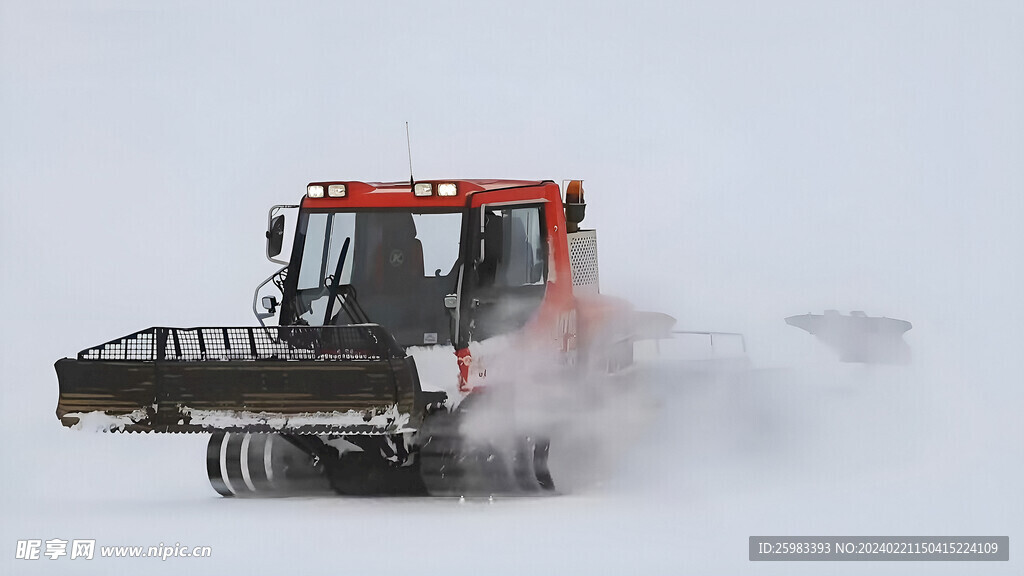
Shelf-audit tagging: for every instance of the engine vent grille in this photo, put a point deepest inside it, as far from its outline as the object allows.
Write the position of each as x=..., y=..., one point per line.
x=583, y=261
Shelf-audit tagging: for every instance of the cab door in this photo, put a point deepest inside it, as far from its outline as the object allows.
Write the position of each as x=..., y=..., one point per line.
x=505, y=273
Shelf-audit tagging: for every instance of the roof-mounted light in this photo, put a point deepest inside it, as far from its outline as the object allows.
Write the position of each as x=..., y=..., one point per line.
x=447, y=189
x=315, y=191
x=336, y=190
x=423, y=189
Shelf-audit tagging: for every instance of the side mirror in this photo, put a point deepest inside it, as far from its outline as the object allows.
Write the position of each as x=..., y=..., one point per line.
x=275, y=236
x=270, y=304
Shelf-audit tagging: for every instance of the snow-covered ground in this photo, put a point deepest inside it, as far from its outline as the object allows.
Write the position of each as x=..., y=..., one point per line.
x=744, y=161
x=821, y=449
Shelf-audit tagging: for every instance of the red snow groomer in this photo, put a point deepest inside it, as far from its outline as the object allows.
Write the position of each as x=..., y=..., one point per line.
x=394, y=310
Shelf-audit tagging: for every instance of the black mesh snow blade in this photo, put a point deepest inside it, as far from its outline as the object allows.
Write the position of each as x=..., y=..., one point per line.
x=339, y=379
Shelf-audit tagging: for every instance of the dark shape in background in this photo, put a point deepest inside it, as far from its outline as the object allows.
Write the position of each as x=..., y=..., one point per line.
x=858, y=337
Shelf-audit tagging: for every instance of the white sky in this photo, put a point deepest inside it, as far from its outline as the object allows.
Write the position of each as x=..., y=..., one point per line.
x=744, y=161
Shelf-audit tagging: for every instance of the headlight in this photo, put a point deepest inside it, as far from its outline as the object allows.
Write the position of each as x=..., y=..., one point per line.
x=423, y=189
x=446, y=189
x=336, y=190
x=315, y=191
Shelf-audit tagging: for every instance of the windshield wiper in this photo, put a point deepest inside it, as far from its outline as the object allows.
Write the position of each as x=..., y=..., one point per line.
x=332, y=292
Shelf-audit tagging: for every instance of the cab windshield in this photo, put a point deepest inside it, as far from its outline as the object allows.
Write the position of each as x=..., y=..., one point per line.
x=401, y=263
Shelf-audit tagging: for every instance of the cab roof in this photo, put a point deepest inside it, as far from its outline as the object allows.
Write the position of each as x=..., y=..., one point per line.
x=400, y=194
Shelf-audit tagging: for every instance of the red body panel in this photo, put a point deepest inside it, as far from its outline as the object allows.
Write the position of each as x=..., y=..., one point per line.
x=553, y=327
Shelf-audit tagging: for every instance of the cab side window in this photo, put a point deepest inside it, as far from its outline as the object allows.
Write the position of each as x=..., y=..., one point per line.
x=514, y=252
x=510, y=265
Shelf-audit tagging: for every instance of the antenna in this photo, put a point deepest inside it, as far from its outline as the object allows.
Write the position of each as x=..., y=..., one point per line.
x=408, y=144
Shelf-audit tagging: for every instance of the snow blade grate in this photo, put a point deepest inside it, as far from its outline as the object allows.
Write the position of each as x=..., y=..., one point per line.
x=361, y=342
